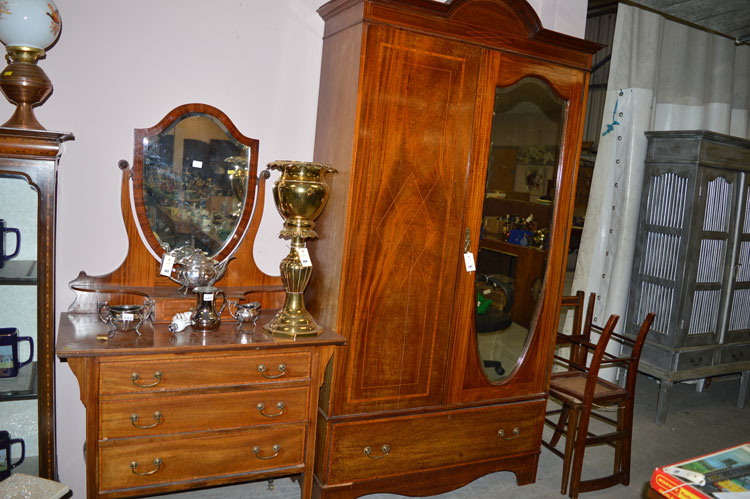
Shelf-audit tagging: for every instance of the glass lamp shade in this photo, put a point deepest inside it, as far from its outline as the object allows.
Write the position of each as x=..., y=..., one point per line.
x=27, y=28
x=34, y=24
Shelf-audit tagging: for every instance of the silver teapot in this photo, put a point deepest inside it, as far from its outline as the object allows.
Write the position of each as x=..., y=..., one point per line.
x=193, y=268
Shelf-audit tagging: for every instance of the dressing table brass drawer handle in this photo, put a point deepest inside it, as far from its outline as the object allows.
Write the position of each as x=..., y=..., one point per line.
x=134, y=420
x=385, y=449
x=134, y=465
x=280, y=406
x=276, y=449
x=282, y=371
x=135, y=377
x=516, y=434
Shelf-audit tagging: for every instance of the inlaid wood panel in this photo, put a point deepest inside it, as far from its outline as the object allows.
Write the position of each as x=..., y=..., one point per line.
x=412, y=154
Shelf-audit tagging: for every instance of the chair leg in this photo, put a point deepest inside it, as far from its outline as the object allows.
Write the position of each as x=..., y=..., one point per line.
x=620, y=444
x=581, y=434
x=570, y=441
x=625, y=424
x=560, y=426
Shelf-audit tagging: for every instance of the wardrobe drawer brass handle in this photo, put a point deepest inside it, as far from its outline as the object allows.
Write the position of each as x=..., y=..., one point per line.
x=135, y=377
x=134, y=420
x=134, y=465
x=385, y=449
x=516, y=433
x=282, y=371
x=280, y=406
x=276, y=449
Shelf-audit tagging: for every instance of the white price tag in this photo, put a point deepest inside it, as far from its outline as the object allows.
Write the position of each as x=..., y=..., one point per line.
x=208, y=297
x=167, y=262
x=197, y=164
x=469, y=261
x=128, y=317
x=304, y=257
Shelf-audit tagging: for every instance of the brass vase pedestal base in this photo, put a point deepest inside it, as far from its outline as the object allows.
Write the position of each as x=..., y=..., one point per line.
x=291, y=322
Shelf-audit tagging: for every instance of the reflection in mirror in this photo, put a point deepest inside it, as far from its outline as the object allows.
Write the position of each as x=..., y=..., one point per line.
x=195, y=183
x=527, y=130
x=18, y=291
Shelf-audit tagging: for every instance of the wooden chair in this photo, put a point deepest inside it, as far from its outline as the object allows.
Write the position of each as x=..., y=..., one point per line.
x=581, y=326
x=580, y=389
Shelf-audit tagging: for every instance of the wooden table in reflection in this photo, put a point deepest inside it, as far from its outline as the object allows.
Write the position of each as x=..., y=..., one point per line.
x=526, y=267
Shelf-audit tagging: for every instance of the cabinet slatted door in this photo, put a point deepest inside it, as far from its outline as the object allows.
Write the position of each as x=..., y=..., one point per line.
x=663, y=249
x=738, y=327
x=709, y=259
x=412, y=157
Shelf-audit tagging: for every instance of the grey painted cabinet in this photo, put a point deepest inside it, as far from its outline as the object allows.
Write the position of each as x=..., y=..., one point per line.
x=692, y=260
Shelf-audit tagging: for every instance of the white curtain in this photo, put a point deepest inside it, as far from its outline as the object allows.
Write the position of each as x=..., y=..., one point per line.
x=663, y=76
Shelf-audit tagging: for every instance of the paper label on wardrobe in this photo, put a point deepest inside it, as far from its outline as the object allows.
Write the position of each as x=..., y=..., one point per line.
x=167, y=262
x=469, y=261
x=304, y=257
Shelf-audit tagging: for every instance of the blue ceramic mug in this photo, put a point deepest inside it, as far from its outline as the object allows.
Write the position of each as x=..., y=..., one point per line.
x=3, y=230
x=6, y=463
x=9, y=361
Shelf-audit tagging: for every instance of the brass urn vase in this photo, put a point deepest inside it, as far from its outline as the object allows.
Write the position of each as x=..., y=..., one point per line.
x=300, y=195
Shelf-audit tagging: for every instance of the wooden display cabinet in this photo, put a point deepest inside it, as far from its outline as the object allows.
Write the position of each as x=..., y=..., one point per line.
x=33, y=155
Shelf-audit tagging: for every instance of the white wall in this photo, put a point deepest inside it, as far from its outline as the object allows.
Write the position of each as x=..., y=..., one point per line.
x=120, y=66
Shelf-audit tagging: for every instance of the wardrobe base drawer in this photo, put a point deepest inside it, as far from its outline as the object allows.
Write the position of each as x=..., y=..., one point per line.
x=392, y=446
x=178, y=458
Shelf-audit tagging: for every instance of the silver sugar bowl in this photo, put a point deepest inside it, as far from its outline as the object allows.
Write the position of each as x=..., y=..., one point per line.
x=244, y=313
x=125, y=317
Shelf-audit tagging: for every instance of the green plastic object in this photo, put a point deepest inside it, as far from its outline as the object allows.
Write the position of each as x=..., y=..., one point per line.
x=483, y=303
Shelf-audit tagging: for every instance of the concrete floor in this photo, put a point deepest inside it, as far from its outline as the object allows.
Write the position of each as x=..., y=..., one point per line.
x=697, y=423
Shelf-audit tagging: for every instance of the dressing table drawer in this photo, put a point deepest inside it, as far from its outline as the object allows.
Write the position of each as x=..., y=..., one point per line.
x=140, y=376
x=143, y=416
x=180, y=458
x=406, y=444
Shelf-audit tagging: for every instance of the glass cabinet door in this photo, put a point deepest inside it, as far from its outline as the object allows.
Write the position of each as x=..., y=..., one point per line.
x=18, y=325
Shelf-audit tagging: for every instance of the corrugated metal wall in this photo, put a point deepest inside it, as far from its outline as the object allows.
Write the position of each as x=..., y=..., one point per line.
x=600, y=28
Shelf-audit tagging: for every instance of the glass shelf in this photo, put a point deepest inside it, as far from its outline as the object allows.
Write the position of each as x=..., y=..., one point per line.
x=21, y=272
x=21, y=387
